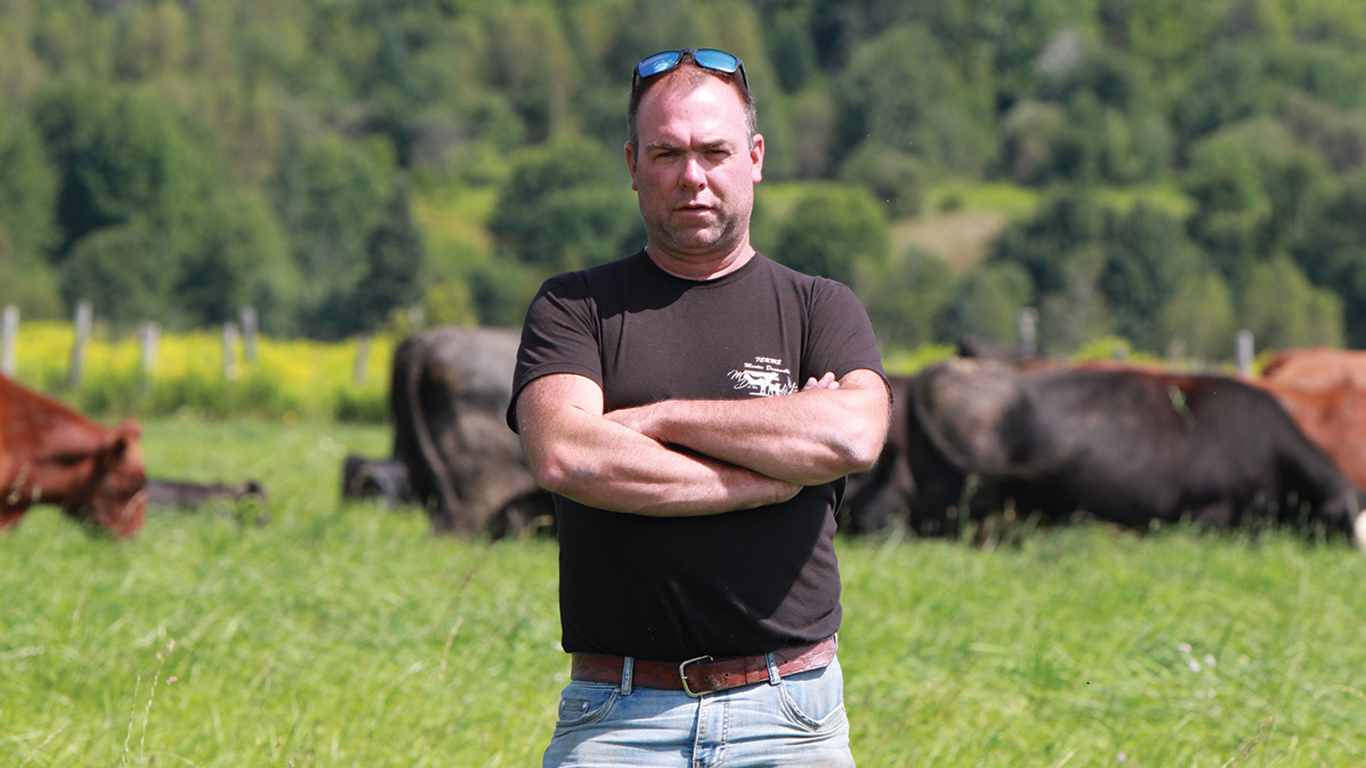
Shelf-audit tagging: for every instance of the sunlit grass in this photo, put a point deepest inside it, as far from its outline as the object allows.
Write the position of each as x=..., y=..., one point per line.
x=348, y=635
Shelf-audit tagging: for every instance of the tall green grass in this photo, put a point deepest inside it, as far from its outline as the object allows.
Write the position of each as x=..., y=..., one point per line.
x=349, y=636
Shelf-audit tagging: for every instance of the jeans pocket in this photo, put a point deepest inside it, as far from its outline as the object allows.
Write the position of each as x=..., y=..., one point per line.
x=814, y=699
x=582, y=703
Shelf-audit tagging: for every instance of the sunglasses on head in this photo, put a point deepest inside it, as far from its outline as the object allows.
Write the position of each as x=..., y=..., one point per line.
x=706, y=58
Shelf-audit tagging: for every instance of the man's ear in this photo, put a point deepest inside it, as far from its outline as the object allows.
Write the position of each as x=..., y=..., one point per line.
x=756, y=158
x=630, y=150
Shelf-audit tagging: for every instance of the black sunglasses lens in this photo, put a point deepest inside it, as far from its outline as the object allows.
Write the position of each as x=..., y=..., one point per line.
x=720, y=61
x=660, y=62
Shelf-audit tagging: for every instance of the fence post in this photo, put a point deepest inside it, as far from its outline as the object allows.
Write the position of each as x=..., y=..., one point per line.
x=362, y=358
x=249, y=331
x=85, y=316
x=1028, y=324
x=230, y=369
x=9, y=342
x=150, y=333
x=1243, y=352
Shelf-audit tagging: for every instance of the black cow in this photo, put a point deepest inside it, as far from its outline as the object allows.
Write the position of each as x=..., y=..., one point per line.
x=1133, y=447
x=449, y=395
x=246, y=495
x=385, y=479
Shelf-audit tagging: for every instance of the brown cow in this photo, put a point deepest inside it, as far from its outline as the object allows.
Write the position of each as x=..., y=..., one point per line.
x=49, y=453
x=1333, y=417
x=1318, y=367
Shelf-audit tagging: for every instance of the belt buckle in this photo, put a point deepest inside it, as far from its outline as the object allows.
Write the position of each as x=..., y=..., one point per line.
x=683, y=675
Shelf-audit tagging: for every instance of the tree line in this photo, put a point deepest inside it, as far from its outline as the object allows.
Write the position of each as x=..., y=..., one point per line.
x=1197, y=167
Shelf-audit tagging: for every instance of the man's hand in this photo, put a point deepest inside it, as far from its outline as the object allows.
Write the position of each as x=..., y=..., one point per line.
x=827, y=381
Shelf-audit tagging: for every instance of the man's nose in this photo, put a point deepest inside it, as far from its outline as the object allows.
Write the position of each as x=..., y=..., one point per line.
x=694, y=175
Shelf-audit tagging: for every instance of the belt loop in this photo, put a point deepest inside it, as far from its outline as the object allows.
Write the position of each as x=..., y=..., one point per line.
x=773, y=677
x=628, y=668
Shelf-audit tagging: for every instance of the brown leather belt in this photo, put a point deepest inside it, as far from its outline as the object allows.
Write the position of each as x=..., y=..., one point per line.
x=702, y=674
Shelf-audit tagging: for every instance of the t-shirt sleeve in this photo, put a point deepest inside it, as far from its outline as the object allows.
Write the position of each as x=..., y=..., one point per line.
x=840, y=337
x=560, y=335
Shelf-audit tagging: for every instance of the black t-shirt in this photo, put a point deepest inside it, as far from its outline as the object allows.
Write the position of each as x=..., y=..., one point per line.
x=738, y=583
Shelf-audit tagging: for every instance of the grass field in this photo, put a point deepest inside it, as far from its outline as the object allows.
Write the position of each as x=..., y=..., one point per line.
x=348, y=636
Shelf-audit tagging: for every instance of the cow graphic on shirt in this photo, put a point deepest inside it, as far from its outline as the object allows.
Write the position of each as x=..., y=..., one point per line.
x=765, y=377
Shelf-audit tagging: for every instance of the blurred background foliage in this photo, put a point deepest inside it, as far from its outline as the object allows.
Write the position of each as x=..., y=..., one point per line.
x=1166, y=172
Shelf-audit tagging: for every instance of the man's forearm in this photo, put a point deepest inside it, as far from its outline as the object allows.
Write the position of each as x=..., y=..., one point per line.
x=591, y=460
x=808, y=438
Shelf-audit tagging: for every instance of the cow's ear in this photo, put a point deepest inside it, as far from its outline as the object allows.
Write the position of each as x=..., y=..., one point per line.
x=125, y=435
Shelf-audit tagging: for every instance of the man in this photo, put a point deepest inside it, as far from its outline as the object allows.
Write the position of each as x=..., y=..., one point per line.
x=695, y=484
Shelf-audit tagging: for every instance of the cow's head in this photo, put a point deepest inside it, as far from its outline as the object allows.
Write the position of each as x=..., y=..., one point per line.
x=114, y=499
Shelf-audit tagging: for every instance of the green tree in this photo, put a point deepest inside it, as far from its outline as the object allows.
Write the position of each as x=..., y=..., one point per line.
x=1147, y=260
x=1065, y=221
x=1282, y=309
x=907, y=302
x=28, y=188
x=837, y=232
x=1250, y=183
x=1199, y=322
x=242, y=259
x=122, y=272
x=121, y=157
x=987, y=304
x=567, y=206
x=394, y=256
x=899, y=91
x=1329, y=246
x=330, y=196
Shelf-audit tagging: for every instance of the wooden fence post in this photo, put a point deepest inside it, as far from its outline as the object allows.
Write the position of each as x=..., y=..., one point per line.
x=1243, y=352
x=85, y=316
x=1028, y=324
x=150, y=333
x=362, y=358
x=250, y=328
x=9, y=341
x=230, y=369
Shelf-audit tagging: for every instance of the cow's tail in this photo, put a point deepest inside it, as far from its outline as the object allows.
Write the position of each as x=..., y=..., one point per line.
x=1031, y=470
x=408, y=385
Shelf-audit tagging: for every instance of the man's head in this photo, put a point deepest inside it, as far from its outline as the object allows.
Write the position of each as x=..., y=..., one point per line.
x=661, y=66
x=694, y=160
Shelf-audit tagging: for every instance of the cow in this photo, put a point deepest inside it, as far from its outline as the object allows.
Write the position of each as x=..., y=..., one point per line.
x=1334, y=417
x=1317, y=368
x=449, y=395
x=52, y=454
x=385, y=479
x=1133, y=447
x=245, y=496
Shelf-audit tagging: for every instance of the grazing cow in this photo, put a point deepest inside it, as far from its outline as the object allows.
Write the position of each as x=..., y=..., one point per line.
x=882, y=493
x=1133, y=447
x=1334, y=417
x=449, y=396
x=49, y=453
x=366, y=478
x=1317, y=368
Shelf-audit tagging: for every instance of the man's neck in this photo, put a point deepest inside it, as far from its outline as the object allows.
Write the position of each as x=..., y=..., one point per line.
x=703, y=267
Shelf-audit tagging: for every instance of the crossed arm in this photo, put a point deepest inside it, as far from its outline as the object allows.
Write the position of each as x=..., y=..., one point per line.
x=699, y=457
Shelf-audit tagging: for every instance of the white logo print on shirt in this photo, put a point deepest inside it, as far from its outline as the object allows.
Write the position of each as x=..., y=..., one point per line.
x=765, y=377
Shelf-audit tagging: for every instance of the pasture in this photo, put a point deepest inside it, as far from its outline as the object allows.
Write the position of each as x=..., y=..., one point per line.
x=349, y=636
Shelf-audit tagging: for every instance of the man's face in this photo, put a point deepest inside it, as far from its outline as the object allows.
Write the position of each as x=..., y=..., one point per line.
x=694, y=169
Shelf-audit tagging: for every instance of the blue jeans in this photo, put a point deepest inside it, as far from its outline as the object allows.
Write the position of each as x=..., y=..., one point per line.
x=793, y=721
